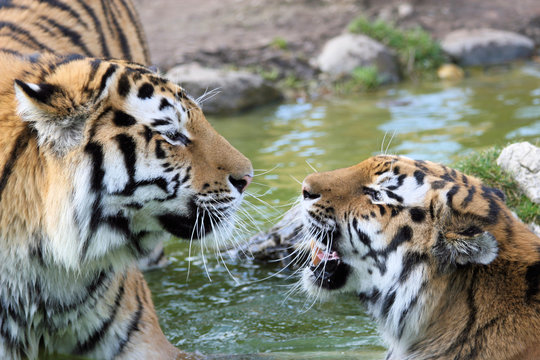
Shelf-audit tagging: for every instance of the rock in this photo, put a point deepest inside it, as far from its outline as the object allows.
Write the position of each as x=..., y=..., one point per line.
x=344, y=53
x=278, y=244
x=222, y=91
x=532, y=29
x=404, y=10
x=535, y=229
x=450, y=72
x=522, y=161
x=486, y=46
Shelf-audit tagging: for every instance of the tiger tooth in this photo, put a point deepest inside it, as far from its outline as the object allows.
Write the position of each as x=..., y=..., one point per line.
x=315, y=253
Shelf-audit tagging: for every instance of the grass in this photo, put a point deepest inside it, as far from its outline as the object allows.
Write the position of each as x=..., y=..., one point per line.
x=279, y=43
x=484, y=166
x=417, y=52
x=361, y=79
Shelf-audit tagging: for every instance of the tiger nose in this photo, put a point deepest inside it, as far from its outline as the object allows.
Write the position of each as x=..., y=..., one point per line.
x=240, y=184
x=308, y=193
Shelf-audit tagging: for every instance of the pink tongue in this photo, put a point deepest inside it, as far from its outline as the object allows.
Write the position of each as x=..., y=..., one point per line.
x=326, y=256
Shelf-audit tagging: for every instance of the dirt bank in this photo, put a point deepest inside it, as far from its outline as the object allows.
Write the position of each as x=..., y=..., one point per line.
x=241, y=32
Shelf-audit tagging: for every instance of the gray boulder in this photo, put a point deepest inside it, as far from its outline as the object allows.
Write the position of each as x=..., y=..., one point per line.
x=486, y=46
x=522, y=161
x=222, y=91
x=346, y=52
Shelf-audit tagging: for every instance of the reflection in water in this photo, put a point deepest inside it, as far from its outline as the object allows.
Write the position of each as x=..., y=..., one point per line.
x=431, y=121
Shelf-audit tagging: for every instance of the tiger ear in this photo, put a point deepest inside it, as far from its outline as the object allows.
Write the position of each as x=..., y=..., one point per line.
x=470, y=246
x=52, y=113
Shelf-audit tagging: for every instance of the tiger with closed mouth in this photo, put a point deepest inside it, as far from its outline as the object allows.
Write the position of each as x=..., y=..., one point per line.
x=99, y=161
x=437, y=258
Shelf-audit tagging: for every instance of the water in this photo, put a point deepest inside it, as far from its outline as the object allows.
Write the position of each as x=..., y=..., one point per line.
x=255, y=317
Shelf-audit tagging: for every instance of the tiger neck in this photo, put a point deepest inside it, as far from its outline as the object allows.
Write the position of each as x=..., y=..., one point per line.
x=402, y=304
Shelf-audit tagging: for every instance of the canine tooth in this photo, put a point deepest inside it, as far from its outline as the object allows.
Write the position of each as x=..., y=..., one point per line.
x=315, y=253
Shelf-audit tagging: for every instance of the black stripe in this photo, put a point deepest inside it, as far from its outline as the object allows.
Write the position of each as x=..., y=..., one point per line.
x=110, y=70
x=411, y=260
x=94, y=66
x=20, y=145
x=145, y=91
x=132, y=327
x=96, y=152
x=403, y=235
x=124, y=85
x=164, y=103
x=96, y=125
x=20, y=31
x=160, y=154
x=93, y=290
x=532, y=278
x=148, y=134
x=161, y=122
x=68, y=58
x=12, y=52
x=439, y=184
x=73, y=36
x=387, y=304
x=138, y=29
x=126, y=51
x=123, y=119
x=66, y=8
x=43, y=94
x=450, y=195
x=417, y=214
x=128, y=147
x=469, y=197
x=98, y=28
x=97, y=336
x=106, y=15
x=23, y=42
x=462, y=337
x=419, y=176
x=394, y=196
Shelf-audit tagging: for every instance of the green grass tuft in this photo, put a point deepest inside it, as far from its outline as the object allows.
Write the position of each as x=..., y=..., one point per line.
x=484, y=166
x=362, y=78
x=279, y=43
x=417, y=52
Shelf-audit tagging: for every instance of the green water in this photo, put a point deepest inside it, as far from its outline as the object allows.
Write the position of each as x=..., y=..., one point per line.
x=255, y=317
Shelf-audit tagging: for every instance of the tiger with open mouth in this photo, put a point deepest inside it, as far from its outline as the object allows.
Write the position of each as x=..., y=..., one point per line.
x=440, y=262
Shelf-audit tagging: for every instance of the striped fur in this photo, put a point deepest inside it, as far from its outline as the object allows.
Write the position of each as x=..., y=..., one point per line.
x=93, y=28
x=437, y=258
x=100, y=160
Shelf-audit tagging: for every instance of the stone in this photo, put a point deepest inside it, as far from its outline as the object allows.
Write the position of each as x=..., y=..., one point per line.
x=535, y=229
x=478, y=47
x=450, y=72
x=346, y=52
x=522, y=162
x=220, y=91
x=532, y=29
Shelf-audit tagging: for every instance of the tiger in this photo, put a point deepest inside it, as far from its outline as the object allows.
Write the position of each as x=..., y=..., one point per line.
x=435, y=257
x=99, y=160
x=102, y=29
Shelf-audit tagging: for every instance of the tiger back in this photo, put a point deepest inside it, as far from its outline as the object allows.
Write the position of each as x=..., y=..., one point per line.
x=93, y=28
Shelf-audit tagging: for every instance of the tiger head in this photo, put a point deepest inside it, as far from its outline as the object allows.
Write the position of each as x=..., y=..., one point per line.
x=393, y=231
x=128, y=155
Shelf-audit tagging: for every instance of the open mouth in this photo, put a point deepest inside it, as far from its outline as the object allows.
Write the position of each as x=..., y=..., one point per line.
x=329, y=271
